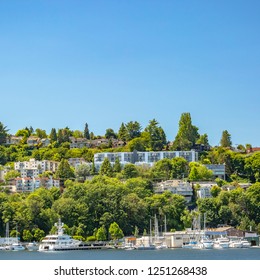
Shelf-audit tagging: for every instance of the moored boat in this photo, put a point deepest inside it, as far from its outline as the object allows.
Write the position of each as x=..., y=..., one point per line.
x=205, y=243
x=32, y=246
x=221, y=243
x=58, y=241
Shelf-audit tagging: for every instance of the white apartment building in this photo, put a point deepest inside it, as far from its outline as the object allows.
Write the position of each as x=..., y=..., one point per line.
x=33, y=168
x=139, y=158
x=176, y=187
x=27, y=184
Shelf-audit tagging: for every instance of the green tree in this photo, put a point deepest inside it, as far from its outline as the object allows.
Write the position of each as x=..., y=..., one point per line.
x=215, y=191
x=82, y=171
x=110, y=134
x=12, y=174
x=101, y=234
x=53, y=135
x=162, y=169
x=64, y=171
x=133, y=130
x=40, y=133
x=106, y=168
x=157, y=137
x=27, y=235
x=117, y=166
x=63, y=135
x=86, y=132
x=115, y=231
x=77, y=134
x=187, y=134
x=180, y=168
x=252, y=167
x=130, y=171
x=137, y=144
x=122, y=132
x=199, y=172
x=3, y=133
x=38, y=234
x=225, y=139
x=203, y=139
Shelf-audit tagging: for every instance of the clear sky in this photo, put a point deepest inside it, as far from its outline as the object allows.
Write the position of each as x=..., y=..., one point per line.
x=104, y=62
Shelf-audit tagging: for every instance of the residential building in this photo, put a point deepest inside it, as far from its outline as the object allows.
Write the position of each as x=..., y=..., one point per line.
x=27, y=184
x=219, y=170
x=33, y=140
x=253, y=150
x=79, y=142
x=45, y=142
x=13, y=140
x=141, y=158
x=176, y=187
x=33, y=168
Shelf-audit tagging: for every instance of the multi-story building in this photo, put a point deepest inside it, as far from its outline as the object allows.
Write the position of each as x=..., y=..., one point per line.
x=33, y=168
x=79, y=142
x=13, y=140
x=27, y=184
x=219, y=170
x=176, y=187
x=139, y=158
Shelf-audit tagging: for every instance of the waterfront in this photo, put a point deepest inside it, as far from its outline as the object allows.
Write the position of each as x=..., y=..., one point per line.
x=169, y=254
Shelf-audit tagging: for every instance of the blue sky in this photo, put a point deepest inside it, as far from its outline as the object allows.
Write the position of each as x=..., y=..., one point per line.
x=68, y=62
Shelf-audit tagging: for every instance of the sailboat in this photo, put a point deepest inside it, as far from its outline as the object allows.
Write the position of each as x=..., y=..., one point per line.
x=16, y=246
x=159, y=244
x=146, y=244
x=205, y=242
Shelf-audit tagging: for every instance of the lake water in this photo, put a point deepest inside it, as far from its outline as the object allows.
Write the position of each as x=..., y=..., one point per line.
x=168, y=254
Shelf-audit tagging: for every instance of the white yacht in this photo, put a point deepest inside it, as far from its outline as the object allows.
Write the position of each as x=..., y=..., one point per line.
x=235, y=242
x=206, y=243
x=221, y=243
x=32, y=246
x=245, y=243
x=59, y=241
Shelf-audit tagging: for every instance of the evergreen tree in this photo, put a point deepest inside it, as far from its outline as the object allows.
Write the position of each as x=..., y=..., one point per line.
x=106, y=168
x=133, y=130
x=122, y=133
x=203, y=140
x=117, y=166
x=225, y=139
x=157, y=137
x=187, y=134
x=93, y=168
x=53, y=135
x=86, y=132
x=64, y=135
x=64, y=171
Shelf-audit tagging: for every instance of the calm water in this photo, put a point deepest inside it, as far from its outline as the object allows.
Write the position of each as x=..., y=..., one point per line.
x=170, y=254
